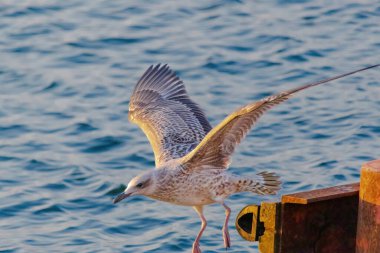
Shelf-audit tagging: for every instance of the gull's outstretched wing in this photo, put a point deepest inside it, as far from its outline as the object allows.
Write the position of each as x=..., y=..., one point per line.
x=216, y=148
x=173, y=123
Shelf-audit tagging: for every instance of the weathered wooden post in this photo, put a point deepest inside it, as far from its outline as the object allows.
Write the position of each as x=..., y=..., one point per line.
x=368, y=232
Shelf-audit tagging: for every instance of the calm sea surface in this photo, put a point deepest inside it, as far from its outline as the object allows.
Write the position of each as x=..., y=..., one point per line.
x=67, y=69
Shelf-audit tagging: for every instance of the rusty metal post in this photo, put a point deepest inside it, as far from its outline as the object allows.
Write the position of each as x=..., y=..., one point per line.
x=368, y=233
x=317, y=221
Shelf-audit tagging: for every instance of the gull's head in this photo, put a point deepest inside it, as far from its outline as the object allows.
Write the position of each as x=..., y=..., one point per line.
x=140, y=185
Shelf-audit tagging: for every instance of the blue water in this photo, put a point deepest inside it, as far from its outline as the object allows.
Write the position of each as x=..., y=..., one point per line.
x=67, y=70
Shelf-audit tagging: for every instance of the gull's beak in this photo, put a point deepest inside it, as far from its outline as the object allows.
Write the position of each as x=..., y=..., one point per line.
x=121, y=196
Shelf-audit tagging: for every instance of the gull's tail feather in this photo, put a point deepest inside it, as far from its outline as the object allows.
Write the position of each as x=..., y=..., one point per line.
x=269, y=183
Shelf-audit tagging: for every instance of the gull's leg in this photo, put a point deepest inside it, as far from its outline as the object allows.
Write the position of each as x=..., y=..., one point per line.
x=226, y=235
x=199, y=210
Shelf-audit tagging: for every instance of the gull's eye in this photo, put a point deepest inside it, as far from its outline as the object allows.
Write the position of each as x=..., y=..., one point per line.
x=139, y=185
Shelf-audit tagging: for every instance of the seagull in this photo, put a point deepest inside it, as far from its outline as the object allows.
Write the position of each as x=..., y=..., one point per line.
x=191, y=157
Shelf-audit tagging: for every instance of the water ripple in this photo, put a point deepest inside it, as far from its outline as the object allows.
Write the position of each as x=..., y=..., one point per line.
x=67, y=148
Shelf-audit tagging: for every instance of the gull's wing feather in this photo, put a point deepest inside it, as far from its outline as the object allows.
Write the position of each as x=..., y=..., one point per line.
x=173, y=123
x=216, y=148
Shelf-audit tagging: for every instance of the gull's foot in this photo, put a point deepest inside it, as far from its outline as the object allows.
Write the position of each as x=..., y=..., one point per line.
x=226, y=238
x=196, y=248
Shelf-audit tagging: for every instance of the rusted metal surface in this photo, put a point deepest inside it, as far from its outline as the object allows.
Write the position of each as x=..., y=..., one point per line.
x=322, y=194
x=319, y=226
x=368, y=233
x=319, y=221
